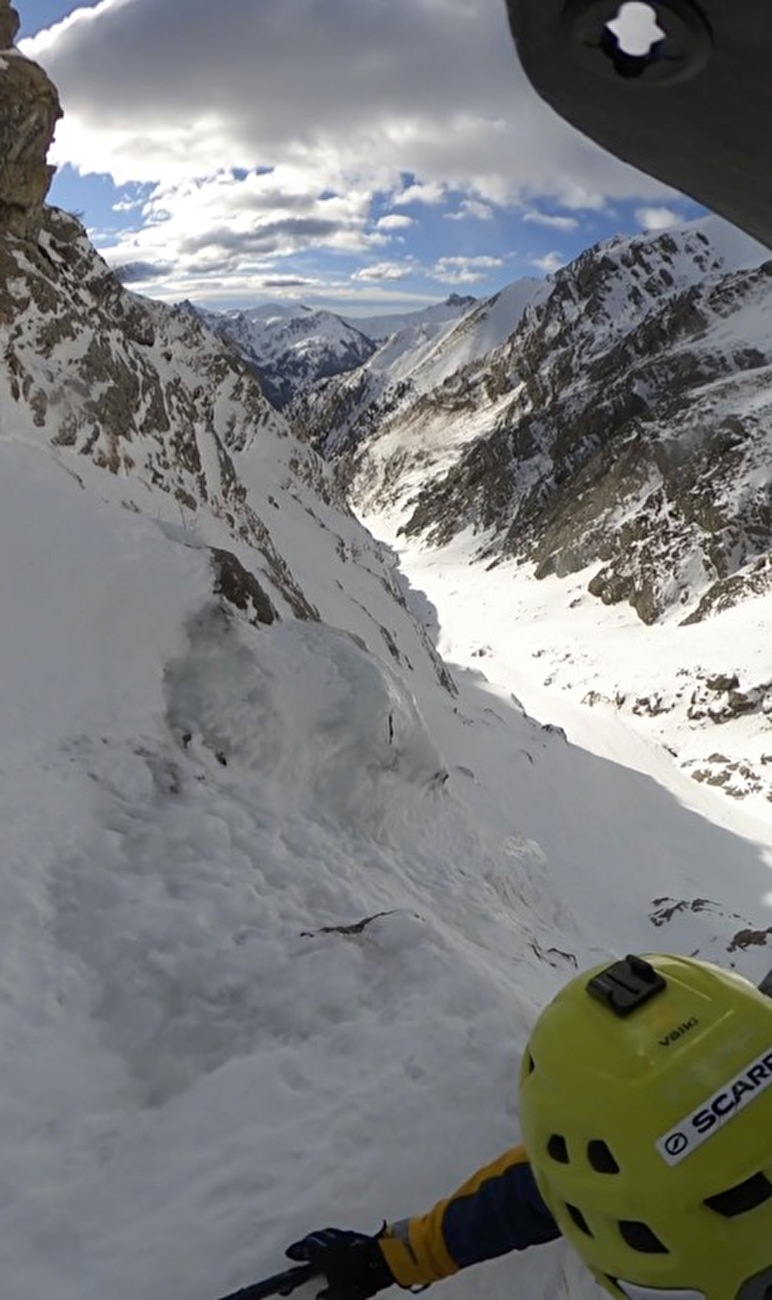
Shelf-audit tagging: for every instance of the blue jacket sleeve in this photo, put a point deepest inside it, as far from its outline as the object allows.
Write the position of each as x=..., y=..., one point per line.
x=497, y=1210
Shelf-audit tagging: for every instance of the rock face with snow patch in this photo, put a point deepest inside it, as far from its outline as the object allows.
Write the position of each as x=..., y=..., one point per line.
x=140, y=390
x=29, y=111
x=624, y=425
x=147, y=406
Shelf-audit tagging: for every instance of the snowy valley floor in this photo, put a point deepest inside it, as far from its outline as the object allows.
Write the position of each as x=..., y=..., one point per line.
x=619, y=689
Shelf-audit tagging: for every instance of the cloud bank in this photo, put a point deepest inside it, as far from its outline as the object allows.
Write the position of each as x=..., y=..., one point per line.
x=275, y=128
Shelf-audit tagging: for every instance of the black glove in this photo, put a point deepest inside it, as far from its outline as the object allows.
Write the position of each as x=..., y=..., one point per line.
x=353, y=1263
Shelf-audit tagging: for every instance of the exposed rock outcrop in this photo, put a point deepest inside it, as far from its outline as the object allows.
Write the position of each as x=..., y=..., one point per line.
x=139, y=401
x=29, y=111
x=9, y=25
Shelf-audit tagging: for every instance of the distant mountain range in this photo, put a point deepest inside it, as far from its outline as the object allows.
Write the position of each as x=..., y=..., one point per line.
x=292, y=348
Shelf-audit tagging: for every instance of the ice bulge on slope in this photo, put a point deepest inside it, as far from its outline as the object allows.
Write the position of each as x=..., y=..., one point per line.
x=306, y=705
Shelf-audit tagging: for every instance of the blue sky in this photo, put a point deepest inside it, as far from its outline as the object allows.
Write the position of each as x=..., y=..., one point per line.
x=355, y=153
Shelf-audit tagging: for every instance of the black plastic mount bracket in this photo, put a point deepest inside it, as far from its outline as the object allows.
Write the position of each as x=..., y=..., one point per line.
x=685, y=47
x=626, y=985
x=695, y=110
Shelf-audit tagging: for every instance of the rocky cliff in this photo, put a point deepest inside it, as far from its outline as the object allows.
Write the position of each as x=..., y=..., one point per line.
x=150, y=410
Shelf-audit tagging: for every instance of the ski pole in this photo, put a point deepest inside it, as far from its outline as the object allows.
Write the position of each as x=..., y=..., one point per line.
x=278, y=1284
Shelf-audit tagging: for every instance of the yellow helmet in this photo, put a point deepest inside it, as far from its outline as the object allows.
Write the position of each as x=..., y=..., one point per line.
x=646, y=1110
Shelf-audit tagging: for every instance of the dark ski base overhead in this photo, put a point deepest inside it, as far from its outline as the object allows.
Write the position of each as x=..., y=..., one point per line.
x=695, y=111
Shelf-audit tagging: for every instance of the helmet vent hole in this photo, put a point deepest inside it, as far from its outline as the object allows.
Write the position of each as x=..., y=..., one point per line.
x=601, y=1158
x=530, y=1064
x=579, y=1219
x=639, y=1236
x=557, y=1148
x=742, y=1197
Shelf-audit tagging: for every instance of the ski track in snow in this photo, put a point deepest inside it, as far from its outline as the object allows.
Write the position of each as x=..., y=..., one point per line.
x=200, y=1060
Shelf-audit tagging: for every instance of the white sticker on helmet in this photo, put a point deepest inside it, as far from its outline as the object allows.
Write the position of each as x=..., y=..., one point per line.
x=696, y=1128
x=652, y=1293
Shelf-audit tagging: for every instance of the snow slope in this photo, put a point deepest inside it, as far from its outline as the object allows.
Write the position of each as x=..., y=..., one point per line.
x=383, y=327
x=427, y=354
x=279, y=902
x=198, y=1064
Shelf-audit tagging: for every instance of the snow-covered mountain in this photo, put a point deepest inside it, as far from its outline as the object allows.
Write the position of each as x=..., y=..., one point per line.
x=290, y=349
x=622, y=428
x=421, y=358
x=276, y=883
x=293, y=348
x=109, y=381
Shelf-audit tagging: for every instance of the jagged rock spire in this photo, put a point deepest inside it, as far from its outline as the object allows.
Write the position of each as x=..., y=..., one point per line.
x=9, y=25
x=29, y=111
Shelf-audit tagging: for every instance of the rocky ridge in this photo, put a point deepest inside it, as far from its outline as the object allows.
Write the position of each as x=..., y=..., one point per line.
x=117, y=385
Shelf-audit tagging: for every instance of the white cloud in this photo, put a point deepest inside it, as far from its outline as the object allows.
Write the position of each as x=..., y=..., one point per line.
x=465, y=270
x=657, y=218
x=553, y=220
x=127, y=205
x=383, y=271
x=471, y=208
x=222, y=225
x=394, y=221
x=550, y=263
x=430, y=194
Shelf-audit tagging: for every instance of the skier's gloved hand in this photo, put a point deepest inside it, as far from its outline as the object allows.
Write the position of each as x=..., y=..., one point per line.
x=352, y=1262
